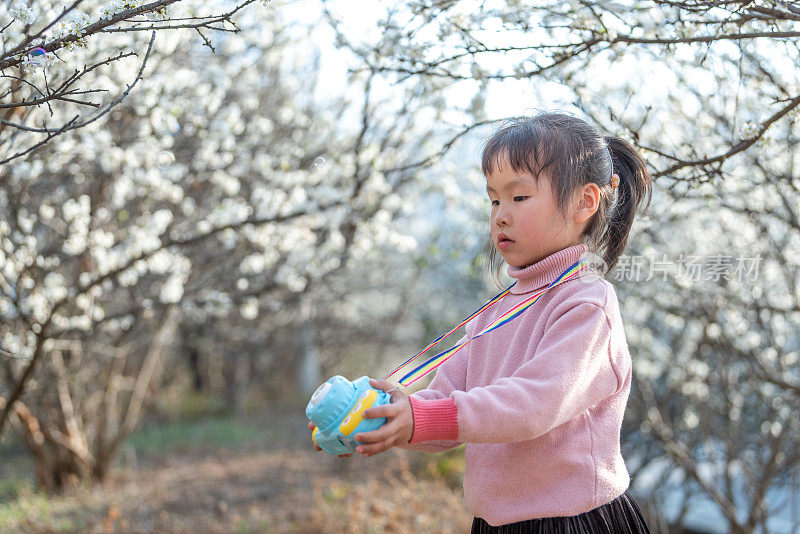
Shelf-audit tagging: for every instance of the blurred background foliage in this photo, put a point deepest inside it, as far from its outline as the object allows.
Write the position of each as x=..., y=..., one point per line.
x=257, y=196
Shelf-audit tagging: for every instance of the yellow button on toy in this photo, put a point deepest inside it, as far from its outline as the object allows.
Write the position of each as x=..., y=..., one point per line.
x=356, y=414
x=313, y=436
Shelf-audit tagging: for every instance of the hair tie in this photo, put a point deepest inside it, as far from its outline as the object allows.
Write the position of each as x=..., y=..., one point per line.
x=614, y=181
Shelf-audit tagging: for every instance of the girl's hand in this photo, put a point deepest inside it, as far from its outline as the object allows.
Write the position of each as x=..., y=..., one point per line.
x=397, y=430
x=318, y=448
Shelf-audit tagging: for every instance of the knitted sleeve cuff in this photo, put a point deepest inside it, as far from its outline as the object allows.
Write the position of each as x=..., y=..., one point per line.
x=435, y=419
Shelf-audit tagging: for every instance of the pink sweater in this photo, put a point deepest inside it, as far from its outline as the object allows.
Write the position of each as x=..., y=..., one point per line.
x=539, y=401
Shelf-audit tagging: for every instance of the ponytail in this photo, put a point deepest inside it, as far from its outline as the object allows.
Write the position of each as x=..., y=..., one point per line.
x=635, y=184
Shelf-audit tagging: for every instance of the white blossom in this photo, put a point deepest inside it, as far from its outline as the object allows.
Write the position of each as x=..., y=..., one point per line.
x=22, y=13
x=172, y=290
x=249, y=310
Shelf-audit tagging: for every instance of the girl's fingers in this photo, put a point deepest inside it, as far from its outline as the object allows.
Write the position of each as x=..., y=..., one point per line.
x=386, y=431
x=312, y=427
x=380, y=384
x=384, y=410
x=369, y=437
x=383, y=385
x=376, y=448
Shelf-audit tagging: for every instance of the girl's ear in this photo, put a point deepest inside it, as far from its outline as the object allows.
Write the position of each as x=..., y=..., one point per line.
x=588, y=202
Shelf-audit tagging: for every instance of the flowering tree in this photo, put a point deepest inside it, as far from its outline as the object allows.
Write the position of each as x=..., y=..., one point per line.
x=715, y=357
x=220, y=195
x=715, y=344
x=34, y=36
x=45, y=230
x=586, y=46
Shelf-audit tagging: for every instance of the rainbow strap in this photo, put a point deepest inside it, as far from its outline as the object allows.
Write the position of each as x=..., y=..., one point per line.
x=437, y=360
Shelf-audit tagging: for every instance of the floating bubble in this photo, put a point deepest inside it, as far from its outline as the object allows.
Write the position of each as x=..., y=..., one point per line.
x=320, y=162
x=165, y=158
x=37, y=57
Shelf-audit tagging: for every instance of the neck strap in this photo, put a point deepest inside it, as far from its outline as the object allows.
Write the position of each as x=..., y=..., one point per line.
x=435, y=361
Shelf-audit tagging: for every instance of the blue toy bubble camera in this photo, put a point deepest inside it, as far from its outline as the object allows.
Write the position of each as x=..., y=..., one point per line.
x=336, y=408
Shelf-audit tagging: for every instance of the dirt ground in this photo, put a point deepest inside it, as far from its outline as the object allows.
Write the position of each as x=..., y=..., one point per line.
x=276, y=487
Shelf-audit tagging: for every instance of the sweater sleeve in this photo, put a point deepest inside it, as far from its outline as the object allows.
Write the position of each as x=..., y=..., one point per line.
x=449, y=377
x=570, y=372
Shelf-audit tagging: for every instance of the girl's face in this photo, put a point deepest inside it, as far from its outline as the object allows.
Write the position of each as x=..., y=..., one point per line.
x=528, y=215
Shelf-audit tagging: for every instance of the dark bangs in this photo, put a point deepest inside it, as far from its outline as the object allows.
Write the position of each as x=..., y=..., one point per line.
x=536, y=146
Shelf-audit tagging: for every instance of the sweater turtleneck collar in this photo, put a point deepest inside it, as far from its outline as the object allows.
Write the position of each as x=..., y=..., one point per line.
x=545, y=271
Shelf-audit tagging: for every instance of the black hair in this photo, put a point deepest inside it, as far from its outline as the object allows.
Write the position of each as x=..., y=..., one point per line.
x=576, y=154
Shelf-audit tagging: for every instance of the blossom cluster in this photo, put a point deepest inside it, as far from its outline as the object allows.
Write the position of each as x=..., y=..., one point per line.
x=22, y=13
x=118, y=6
x=74, y=24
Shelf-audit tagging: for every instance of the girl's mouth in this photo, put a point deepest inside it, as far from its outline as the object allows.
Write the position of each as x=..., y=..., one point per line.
x=504, y=243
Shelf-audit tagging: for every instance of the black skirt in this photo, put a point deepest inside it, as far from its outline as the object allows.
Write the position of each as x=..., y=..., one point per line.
x=622, y=515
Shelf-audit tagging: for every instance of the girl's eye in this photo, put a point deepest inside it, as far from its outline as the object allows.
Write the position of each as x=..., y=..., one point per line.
x=498, y=202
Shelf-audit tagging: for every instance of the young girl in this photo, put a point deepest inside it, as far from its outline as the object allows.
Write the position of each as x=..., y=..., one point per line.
x=540, y=400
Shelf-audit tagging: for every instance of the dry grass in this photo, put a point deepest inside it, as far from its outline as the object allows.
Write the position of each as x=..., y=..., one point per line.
x=398, y=501
x=270, y=486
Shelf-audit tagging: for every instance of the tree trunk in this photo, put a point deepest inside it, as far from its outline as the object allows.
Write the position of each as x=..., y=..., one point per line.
x=62, y=450
x=310, y=374
x=309, y=370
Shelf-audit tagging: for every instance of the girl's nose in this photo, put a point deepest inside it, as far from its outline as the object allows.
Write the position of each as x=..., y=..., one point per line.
x=501, y=219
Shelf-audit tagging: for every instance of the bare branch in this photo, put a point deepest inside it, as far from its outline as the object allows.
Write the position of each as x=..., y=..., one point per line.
x=71, y=125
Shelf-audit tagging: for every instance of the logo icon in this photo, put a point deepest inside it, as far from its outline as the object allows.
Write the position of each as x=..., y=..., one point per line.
x=595, y=270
